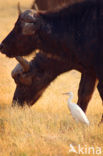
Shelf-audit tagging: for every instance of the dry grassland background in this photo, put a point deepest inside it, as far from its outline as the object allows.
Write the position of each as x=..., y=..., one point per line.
x=47, y=128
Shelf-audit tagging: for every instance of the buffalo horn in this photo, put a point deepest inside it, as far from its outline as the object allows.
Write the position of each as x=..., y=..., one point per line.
x=36, y=6
x=19, y=8
x=24, y=63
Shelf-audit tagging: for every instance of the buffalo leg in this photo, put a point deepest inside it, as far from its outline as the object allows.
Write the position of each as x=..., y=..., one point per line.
x=100, y=89
x=86, y=88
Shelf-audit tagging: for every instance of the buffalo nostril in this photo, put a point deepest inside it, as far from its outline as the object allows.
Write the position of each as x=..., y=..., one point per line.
x=1, y=46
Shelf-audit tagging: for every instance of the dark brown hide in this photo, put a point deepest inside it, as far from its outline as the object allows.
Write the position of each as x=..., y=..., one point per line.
x=44, y=70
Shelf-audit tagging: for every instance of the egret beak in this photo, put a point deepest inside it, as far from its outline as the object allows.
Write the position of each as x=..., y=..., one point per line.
x=65, y=93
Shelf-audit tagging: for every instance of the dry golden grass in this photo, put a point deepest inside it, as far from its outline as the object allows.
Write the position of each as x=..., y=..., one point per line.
x=47, y=128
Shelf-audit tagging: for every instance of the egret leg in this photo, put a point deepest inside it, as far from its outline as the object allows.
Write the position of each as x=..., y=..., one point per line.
x=86, y=88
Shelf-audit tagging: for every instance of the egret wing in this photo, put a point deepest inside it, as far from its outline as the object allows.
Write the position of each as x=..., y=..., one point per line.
x=78, y=114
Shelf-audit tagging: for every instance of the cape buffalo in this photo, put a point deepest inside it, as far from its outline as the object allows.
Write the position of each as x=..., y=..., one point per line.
x=70, y=37
x=42, y=70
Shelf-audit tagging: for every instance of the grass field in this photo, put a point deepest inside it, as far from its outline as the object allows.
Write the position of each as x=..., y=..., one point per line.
x=47, y=128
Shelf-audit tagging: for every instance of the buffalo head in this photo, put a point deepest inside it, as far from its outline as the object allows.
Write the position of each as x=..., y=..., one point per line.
x=32, y=78
x=24, y=38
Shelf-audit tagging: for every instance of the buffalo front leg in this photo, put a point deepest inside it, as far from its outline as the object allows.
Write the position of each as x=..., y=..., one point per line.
x=100, y=89
x=86, y=88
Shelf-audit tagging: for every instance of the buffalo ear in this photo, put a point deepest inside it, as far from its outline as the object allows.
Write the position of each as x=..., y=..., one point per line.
x=19, y=8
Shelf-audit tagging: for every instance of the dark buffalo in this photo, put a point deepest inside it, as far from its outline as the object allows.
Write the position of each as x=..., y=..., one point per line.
x=69, y=38
x=31, y=84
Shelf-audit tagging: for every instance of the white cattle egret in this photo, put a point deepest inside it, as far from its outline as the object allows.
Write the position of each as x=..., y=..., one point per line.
x=76, y=111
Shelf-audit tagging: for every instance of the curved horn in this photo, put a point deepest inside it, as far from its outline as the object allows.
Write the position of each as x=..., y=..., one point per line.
x=1, y=46
x=19, y=8
x=24, y=63
x=35, y=6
